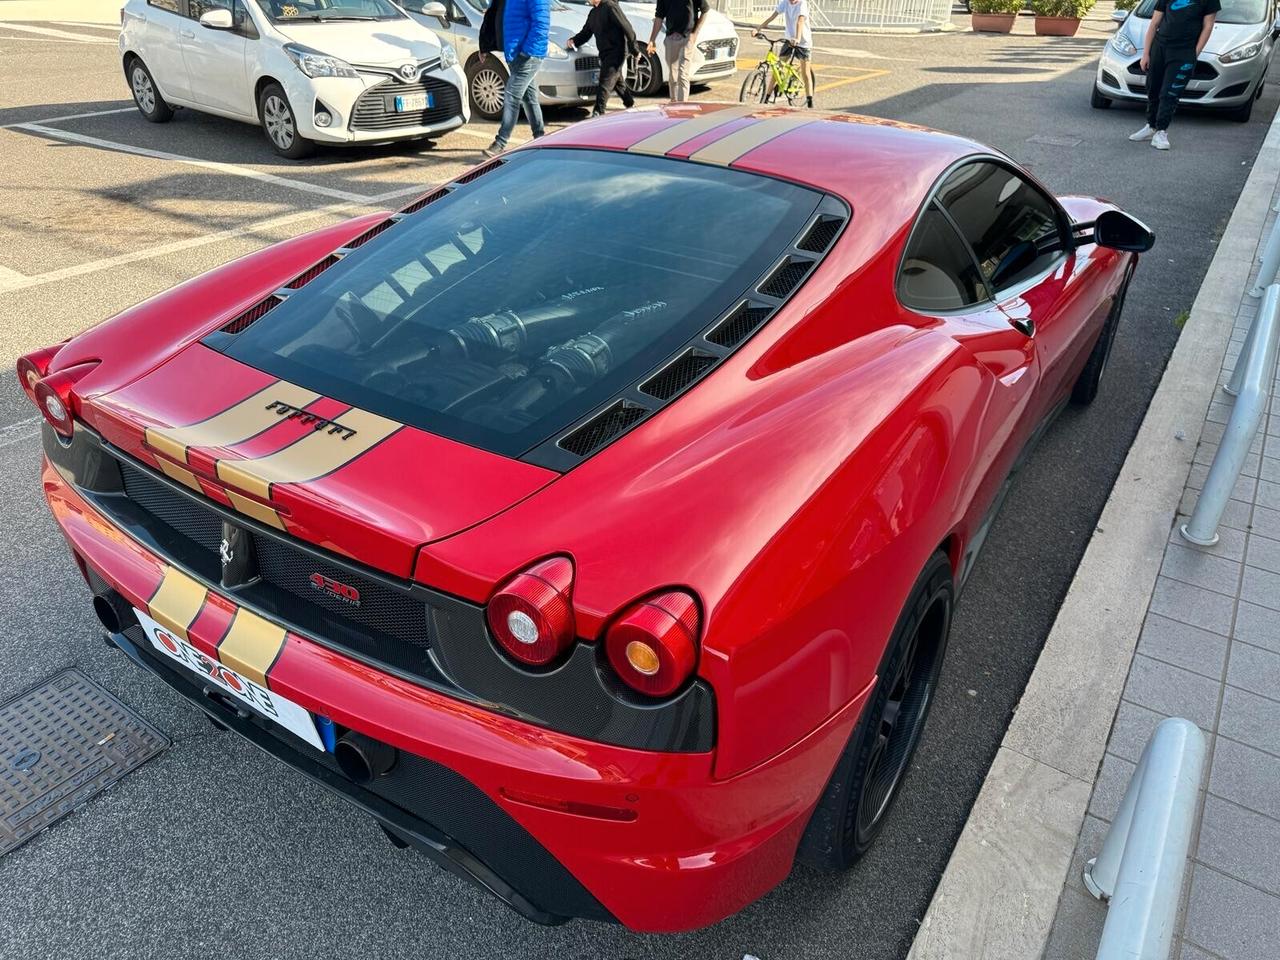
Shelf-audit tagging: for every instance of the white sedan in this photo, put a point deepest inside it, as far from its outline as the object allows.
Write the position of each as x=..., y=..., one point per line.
x=308, y=71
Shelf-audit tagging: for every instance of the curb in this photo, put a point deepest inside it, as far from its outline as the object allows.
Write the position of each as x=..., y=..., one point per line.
x=999, y=893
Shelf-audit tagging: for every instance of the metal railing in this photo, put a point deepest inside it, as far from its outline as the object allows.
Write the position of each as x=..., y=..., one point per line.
x=1250, y=384
x=1140, y=868
x=852, y=14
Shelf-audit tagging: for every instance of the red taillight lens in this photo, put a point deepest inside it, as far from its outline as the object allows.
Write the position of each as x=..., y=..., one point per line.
x=531, y=616
x=653, y=646
x=54, y=397
x=33, y=367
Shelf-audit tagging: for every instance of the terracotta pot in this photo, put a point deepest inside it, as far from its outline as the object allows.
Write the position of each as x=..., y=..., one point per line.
x=993, y=22
x=1057, y=26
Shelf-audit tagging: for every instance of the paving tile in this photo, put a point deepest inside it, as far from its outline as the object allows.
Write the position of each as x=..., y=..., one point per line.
x=1232, y=919
x=1241, y=843
x=1236, y=514
x=1261, y=587
x=1077, y=928
x=1183, y=646
x=1268, y=492
x=1266, y=522
x=1231, y=542
x=1189, y=565
x=1109, y=788
x=1263, y=552
x=1172, y=691
x=1219, y=412
x=1254, y=669
x=1249, y=718
x=1132, y=729
x=1089, y=844
x=1194, y=605
x=1258, y=625
x=1191, y=952
x=1269, y=469
x=1205, y=453
x=1243, y=489
x=1244, y=776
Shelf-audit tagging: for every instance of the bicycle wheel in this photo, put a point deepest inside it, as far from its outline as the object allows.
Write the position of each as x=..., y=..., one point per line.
x=753, y=88
x=795, y=87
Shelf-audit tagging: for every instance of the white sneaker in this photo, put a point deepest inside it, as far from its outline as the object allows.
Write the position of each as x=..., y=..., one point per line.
x=1146, y=133
x=1160, y=141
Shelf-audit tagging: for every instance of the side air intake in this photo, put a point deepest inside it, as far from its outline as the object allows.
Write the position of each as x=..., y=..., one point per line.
x=369, y=234
x=786, y=277
x=309, y=274
x=479, y=172
x=679, y=374
x=603, y=427
x=252, y=315
x=819, y=236
x=739, y=325
x=421, y=202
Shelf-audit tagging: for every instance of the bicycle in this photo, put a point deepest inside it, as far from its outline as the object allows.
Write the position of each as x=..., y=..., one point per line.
x=787, y=80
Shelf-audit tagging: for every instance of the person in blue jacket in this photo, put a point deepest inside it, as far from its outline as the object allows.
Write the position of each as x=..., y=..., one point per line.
x=525, y=24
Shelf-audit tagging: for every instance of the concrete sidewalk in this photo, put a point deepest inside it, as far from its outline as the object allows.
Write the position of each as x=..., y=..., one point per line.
x=1152, y=627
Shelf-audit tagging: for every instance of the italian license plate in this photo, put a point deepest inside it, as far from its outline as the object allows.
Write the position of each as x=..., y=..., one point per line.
x=595, y=76
x=240, y=688
x=415, y=102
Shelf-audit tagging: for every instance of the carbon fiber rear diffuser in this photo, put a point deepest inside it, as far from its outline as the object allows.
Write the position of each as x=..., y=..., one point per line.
x=61, y=743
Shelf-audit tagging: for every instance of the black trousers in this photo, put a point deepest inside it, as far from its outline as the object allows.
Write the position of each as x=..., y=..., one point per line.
x=611, y=77
x=1171, y=68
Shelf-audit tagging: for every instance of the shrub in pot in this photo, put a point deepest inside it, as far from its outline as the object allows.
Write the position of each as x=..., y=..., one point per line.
x=994, y=16
x=1059, y=18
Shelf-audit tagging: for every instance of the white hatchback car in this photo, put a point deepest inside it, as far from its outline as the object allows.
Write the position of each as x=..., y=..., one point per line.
x=308, y=71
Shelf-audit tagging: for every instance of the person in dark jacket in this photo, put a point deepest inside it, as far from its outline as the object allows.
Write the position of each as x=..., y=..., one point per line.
x=491, y=29
x=614, y=39
x=525, y=25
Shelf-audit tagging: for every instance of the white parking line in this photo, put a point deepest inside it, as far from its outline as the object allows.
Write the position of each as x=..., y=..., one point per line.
x=8, y=276
x=62, y=34
x=110, y=27
x=69, y=116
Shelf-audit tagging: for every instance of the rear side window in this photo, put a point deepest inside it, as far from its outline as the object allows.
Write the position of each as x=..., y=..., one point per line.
x=1008, y=222
x=938, y=272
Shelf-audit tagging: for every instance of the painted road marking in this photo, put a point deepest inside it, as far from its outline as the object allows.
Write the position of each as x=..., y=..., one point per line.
x=69, y=116
x=61, y=34
x=868, y=75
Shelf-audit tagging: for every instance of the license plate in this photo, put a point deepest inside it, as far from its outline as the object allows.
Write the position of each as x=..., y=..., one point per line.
x=595, y=76
x=240, y=688
x=415, y=102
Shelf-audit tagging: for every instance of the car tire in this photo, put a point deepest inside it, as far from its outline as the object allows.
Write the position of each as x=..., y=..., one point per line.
x=146, y=95
x=1086, y=386
x=280, y=125
x=486, y=86
x=1242, y=113
x=1098, y=101
x=869, y=774
x=644, y=74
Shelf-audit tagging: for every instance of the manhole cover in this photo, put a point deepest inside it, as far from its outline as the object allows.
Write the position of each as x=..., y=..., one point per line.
x=60, y=744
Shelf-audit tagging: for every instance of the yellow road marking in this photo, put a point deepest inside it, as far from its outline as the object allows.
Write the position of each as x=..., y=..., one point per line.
x=870, y=74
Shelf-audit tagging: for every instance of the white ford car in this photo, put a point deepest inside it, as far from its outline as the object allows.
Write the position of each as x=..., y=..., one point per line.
x=308, y=71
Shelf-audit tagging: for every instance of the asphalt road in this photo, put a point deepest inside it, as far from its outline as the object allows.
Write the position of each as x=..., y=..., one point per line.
x=214, y=848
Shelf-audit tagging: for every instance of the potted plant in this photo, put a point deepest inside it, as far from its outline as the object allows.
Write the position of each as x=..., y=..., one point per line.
x=994, y=16
x=1059, y=18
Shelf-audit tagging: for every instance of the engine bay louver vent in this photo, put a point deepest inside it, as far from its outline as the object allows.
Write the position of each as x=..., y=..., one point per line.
x=678, y=375
x=739, y=325
x=602, y=428
x=819, y=236
x=252, y=315
x=309, y=274
x=421, y=202
x=479, y=172
x=786, y=277
x=369, y=234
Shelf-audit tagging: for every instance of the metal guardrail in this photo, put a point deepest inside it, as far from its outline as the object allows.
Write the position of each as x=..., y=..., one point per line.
x=1140, y=868
x=851, y=14
x=1270, y=259
x=1250, y=384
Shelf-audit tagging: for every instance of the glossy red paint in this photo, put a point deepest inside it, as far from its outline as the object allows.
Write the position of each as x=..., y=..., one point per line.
x=797, y=492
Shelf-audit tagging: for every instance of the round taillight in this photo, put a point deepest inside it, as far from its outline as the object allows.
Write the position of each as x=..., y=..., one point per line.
x=531, y=616
x=653, y=646
x=33, y=366
x=53, y=397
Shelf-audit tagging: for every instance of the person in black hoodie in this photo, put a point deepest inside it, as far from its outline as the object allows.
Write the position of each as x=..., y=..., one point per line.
x=491, y=29
x=614, y=39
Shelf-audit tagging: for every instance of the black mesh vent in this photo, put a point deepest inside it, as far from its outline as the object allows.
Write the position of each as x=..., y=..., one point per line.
x=172, y=509
x=821, y=234
x=678, y=375
x=618, y=419
x=370, y=234
x=479, y=172
x=786, y=278
x=309, y=274
x=252, y=315
x=421, y=202
x=738, y=325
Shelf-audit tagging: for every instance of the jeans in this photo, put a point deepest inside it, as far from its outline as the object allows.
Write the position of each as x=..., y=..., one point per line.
x=1167, y=77
x=683, y=60
x=611, y=77
x=521, y=91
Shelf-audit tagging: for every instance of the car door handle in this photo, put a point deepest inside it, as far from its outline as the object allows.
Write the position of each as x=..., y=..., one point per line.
x=187, y=34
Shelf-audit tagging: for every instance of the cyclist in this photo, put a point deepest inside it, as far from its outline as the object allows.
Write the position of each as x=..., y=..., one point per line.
x=798, y=44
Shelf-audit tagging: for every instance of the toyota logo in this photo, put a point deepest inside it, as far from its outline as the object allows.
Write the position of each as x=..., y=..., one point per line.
x=409, y=71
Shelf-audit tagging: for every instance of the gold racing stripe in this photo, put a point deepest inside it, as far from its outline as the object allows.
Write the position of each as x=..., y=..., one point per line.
x=237, y=423
x=251, y=645
x=252, y=508
x=671, y=137
x=181, y=474
x=177, y=602
x=742, y=141
x=318, y=453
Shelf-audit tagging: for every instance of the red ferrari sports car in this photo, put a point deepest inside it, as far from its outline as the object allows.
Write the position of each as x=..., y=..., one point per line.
x=612, y=575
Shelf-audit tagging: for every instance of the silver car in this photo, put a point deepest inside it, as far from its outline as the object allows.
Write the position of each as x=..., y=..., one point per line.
x=566, y=78
x=1229, y=73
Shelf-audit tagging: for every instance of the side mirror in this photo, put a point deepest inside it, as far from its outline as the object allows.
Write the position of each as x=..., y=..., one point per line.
x=1119, y=231
x=217, y=19
x=1119, y=16
x=434, y=9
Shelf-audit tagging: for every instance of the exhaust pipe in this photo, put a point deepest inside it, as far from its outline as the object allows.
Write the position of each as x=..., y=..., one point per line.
x=362, y=758
x=112, y=611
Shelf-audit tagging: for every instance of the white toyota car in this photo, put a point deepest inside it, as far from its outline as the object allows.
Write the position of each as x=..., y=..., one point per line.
x=308, y=71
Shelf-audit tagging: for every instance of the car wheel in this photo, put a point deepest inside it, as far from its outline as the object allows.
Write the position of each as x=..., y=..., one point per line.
x=1242, y=113
x=146, y=95
x=486, y=86
x=644, y=74
x=868, y=776
x=1090, y=379
x=1098, y=101
x=279, y=124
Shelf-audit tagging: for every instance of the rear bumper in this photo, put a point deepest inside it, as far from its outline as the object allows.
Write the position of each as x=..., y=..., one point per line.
x=696, y=850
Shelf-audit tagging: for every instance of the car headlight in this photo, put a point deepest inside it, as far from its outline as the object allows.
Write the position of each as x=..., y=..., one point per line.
x=556, y=52
x=313, y=63
x=1123, y=45
x=448, y=55
x=1246, y=52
